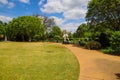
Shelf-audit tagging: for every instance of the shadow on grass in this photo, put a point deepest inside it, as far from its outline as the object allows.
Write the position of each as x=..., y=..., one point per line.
x=114, y=54
x=110, y=52
x=76, y=45
x=118, y=75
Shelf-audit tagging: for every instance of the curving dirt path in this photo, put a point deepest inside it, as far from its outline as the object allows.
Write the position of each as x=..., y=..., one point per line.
x=95, y=65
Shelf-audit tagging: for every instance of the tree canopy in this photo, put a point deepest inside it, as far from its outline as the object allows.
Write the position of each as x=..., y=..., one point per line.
x=105, y=13
x=80, y=32
x=55, y=33
x=1, y=28
x=25, y=28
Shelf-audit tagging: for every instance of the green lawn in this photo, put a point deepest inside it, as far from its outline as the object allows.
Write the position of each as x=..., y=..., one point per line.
x=37, y=61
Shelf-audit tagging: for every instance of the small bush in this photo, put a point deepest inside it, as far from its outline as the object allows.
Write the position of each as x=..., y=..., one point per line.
x=83, y=41
x=93, y=45
x=1, y=37
x=115, y=41
x=107, y=50
x=104, y=40
x=74, y=40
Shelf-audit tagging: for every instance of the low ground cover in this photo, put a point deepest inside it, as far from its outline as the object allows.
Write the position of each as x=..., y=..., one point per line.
x=37, y=61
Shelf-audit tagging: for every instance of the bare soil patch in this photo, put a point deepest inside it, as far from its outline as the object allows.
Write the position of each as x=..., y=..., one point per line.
x=95, y=65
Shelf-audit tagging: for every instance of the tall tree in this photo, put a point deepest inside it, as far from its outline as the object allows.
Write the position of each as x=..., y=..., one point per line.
x=1, y=29
x=24, y=28
x=105, y=13
x=5, y=31
x=55, y=33
x=81, y=30
x=49, y=23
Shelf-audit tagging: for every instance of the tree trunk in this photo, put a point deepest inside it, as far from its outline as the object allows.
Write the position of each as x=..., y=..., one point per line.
x=5, y=38
x=22, y=36
x=30, y=39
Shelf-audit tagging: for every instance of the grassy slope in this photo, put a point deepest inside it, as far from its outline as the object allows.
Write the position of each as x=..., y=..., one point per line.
x=36, y=61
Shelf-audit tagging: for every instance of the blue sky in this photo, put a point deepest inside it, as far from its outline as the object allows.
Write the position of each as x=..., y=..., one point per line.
x=68, y=14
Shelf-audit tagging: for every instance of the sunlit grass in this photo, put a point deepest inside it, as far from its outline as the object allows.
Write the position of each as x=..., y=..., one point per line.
x=36, y=61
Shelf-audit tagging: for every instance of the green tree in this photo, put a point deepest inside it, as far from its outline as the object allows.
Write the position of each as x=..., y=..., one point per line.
x=49, y=23
x=25, y=28
x=5, y=31
x=115, y=42
x=105, y=13
x=81, y=30
x=1, y=29
x=56, y=33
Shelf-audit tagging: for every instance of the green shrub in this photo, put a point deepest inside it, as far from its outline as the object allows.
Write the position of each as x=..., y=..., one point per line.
x=1, y=37
x=93, y=45
x=115, y=41
x=83, y=41
x=107, y=50
x=104, y=40
x=74, y=40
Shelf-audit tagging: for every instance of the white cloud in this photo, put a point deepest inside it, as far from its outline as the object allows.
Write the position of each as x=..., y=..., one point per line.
x=58, y=21
x=25, y=1
x=70, y=9
x=53, y=6
x=73, y=4
x=41, y=2
x=5, y=18
x=10, y=5
x=4, y=1
x=71, y=27
x=75, y=13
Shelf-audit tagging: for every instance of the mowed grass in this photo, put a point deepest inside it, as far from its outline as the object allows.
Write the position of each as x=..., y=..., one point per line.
x=37, y=61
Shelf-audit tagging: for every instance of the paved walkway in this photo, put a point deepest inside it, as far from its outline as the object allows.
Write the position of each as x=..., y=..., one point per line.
x=95, y=65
